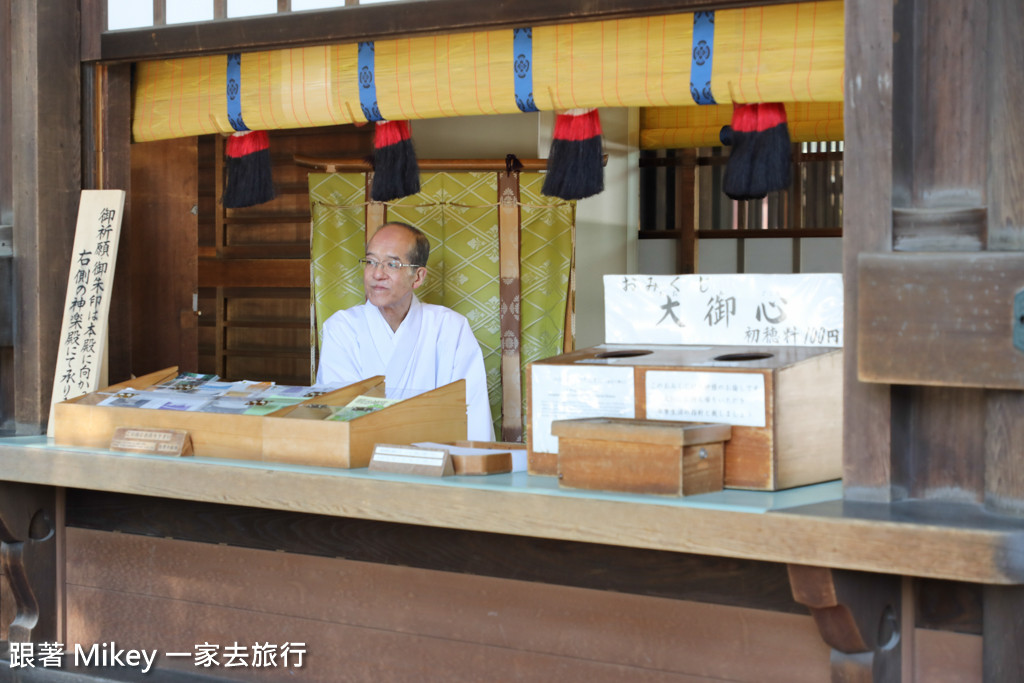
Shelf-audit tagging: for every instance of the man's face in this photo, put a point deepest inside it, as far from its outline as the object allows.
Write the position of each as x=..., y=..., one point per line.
x=384, y=287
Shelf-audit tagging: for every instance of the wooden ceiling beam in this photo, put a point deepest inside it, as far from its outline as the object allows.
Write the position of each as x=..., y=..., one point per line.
x=372, y=22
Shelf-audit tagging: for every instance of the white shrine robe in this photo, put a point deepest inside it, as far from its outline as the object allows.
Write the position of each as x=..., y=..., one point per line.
x=432, y=347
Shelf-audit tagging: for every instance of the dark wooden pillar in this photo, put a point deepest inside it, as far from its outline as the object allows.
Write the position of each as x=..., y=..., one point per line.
x=867, y=227
x=6, y=218
x=932, y=365
x=1003, y=623
x=107, y=108
x=46, y=162
x=940, y=152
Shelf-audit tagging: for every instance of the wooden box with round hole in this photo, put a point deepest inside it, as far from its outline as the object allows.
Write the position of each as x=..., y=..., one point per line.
x=785, y=403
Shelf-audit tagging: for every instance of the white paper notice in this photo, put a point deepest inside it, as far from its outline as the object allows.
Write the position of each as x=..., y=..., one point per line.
x=567, y=392
x=803, y=309
x=735, y=398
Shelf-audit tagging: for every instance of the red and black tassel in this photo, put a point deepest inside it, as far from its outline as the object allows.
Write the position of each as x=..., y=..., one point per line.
x=759, y=161
x=249, y=179
x=575, y=164
x=396, y=173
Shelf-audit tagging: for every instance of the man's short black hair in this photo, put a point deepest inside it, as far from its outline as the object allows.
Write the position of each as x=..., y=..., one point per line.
x=421, y=250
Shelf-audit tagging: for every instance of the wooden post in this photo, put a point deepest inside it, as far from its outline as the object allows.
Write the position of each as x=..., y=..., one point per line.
x=1003, y=626
x=109, y=102
x=686, y=211
x=952, y=141
x=509, y=286
x=866, y=228
x=1004, y=476
x=46, y=144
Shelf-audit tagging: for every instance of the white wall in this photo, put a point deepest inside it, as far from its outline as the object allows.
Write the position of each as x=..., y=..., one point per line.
x=821, y=255
x=657, y=256
x=717, y=256
x=477, y=137
x=768, y=255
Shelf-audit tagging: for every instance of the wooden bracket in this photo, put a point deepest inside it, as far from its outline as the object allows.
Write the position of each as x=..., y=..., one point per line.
x=858, y=615
x=28, y=556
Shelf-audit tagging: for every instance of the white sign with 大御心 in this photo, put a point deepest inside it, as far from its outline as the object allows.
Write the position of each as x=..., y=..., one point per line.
x=725, y=310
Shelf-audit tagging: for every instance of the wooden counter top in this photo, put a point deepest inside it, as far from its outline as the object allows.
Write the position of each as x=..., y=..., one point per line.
x=811, y=525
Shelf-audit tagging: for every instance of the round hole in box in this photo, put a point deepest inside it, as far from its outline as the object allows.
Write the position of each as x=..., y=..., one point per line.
x=624, y=353
x=754, y=355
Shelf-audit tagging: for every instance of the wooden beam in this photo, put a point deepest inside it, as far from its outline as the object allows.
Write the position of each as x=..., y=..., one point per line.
x=340, y=165
x=1003, y=628
x=680, y=576
x=944, y=541
x=867, y=221
x=372, y=22
x=782, y=232
x=1006, y=135
x=94, y=23
x=109, y=141
x=254, y=273
x=1004, y=477
x=686, y=212
x=920, y=325
x=46, y=142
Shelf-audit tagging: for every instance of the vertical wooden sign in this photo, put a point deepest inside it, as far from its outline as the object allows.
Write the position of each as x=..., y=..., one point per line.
x=83, y=333
x=510, y=291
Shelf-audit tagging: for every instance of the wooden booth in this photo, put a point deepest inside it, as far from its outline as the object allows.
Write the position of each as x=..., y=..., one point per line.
x=908, y=568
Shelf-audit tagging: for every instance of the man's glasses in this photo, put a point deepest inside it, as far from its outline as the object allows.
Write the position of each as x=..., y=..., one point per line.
x=391, y=265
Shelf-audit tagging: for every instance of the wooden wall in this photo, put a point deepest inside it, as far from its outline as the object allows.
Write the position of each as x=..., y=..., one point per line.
x=163, y=254
x=224, y=291
x=381, y=601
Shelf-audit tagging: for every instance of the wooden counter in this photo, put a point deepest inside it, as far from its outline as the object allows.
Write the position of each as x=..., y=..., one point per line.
x=453, y=577
x=809, y=525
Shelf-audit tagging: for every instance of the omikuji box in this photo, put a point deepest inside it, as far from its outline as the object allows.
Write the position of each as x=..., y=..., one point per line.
x=297, y=434
x=784, y=403
x=641, y=456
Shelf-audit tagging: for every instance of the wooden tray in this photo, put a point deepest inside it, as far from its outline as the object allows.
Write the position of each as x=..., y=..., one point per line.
x=297, y=434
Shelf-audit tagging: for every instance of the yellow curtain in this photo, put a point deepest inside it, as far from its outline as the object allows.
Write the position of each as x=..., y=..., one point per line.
x=788, y=53
x=678, y=127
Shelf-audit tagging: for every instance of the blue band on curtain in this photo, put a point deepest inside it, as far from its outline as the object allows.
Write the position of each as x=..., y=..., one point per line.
x=234, y=91
x=703, y=52
x=522, y=52
x=368, y=83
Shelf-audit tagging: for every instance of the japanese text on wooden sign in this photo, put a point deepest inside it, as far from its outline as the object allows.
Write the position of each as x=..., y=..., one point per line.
x=87, y=304
x=735, y=310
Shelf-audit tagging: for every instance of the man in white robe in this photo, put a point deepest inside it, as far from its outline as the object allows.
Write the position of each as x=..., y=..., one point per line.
x=416, y=346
